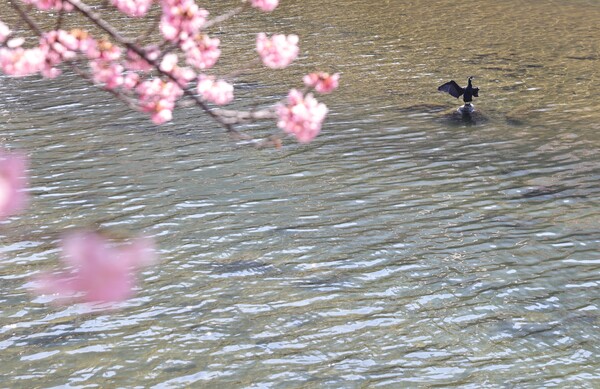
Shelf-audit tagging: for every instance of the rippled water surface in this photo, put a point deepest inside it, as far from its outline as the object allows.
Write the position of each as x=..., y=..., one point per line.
x=403, y=247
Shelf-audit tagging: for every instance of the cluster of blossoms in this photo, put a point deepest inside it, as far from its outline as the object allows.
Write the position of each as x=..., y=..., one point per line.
x=158, y=98
x=153, y=80
x=181, y=19
x=278, y=51
x=201, y=51
x=216, y=91
x=302, y=116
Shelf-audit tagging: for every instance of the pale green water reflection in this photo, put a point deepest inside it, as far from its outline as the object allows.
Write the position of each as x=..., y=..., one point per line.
x=398, y=250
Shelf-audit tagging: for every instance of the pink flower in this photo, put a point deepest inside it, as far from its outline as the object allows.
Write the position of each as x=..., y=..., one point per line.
x=302, y=116
x=265, y=5
x=133, y=8
x=322, y=82
x=216, y=91
x=21, y=62
x=158, y=98
x=182, y=75
x=4, y=32
x=104, y=50
x=181, y=19
x=109, y=73
x=131, y=80
x=45, y=5
x=12, y=183
x=202, y=51
x=278, y=51
x=58, y=46
x=100, y=272
x=84, y=42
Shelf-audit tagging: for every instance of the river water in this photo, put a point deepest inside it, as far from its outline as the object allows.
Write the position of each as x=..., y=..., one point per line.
x=401, y=248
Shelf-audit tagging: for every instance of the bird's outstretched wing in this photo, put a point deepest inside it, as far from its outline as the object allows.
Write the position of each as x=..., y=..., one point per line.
x=476, y=92
x=453, y=88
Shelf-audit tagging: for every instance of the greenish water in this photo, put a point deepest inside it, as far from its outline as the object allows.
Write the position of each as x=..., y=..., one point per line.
x=400, y=249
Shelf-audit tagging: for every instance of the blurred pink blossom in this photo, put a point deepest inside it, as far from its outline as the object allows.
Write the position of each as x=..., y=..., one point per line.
x=109, y=73
x=302, y=116
x=183, y=75
x=181, y=19
x=133, y=8
x=104, y=50
x=57, y=46
x=158, y=97
x=21, y=62
x=130, y=80
x=322, y=82
x=12, y=183
x=84, y=41
x=265, y=5
x=201, y=51
x=216, y=91
x=4, y=32
x=277, y=52
x=45, y=5
x=100, y=272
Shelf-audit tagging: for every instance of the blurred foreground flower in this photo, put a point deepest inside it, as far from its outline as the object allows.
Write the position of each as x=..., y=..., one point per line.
x=100, y=273
x=12, y=183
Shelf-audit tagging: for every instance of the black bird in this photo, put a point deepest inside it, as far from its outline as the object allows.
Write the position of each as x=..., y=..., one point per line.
x=456, y=90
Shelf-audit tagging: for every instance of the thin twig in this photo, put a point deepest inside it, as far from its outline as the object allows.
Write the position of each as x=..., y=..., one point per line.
x=221, y=18
x=150, y=30
x=24, y=16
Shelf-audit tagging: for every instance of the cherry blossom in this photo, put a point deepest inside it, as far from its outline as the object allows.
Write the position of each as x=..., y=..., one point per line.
x=84, y=41
x=4, y=32
x=158, y=97
x=20, y=62
x=181, y=19
x=265, y=5
x=322, y=82
x=100, y=273
x=109, y=73
x=133, y=8
x=130, y=80
x=45, y=5
x=104, y=50
x=302, y=116
x=12, y=183
x=183, y=75
x=57, y=46
x=277, y=52
x=216, y=91
x=202, y=51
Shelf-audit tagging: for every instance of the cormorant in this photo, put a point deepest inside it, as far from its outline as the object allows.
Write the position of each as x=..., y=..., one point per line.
x=456, y=90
